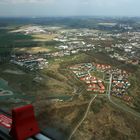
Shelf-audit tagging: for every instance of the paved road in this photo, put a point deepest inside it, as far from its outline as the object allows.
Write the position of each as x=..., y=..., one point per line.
x=108, y=93
x=86, y=113
x=127, y=109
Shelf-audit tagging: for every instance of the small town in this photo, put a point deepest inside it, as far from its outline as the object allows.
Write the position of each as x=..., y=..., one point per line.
x=73, y=42
x=29, y=61
x=82, y=80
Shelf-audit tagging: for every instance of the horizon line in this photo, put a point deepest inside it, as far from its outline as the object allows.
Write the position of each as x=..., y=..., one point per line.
x=65, y=16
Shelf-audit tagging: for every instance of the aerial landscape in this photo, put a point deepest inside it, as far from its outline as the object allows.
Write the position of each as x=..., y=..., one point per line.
x=81, y=73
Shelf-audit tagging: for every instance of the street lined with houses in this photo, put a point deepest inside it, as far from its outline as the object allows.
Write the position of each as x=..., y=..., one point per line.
x=121, y=106
x=96, y=76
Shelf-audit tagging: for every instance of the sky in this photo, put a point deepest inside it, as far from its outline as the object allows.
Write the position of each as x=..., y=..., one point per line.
x=21, y=8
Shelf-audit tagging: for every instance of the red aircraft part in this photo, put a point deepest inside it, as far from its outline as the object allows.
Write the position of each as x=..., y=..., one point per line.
x=24, y=124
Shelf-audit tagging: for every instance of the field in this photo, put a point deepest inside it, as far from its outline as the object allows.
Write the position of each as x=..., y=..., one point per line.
x=43, y=37
x=34, y=50
x=107, y=24
x=19, y=42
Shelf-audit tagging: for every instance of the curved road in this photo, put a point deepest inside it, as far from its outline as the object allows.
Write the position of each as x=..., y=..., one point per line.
x=86, y=113
x=117, y=105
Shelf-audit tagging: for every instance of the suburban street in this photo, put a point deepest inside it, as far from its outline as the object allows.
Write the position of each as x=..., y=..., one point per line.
x=127, y=109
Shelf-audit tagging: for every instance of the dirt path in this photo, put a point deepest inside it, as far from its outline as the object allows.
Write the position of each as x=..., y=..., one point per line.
x=86, y=113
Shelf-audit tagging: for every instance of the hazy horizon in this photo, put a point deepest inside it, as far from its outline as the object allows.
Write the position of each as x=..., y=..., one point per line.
x=64, y=8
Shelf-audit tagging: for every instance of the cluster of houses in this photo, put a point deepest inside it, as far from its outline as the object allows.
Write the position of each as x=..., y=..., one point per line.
x=33, y=30
x=73, y=47
x=120, y=82
x=82, y=71
x=130, y=49
x=73, y=42
x=29, y=61
x=103, y=67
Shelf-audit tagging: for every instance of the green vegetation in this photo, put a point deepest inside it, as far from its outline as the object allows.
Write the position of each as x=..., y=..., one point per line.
x=137, y=104
x=136, y=89
x=113, y=132
x=10, y=40
x=51, y=48
x=75, y=59
x=97, y=74
x=98, y=105
x=54, y=74
x=19, y=83
x=80, y=114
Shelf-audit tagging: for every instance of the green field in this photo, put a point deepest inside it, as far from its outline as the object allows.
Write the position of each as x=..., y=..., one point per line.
x=10, y=40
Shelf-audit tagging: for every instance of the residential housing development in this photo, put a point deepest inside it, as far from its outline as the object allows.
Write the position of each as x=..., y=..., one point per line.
x=96, y=77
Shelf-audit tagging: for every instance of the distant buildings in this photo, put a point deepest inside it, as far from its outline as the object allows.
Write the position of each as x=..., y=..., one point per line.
x=29, y=61
x=34, y=30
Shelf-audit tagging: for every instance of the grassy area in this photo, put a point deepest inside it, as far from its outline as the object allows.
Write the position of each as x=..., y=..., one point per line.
x=57, y=83
x=21, y=42
x=135, y=89
x=8, y=39
x=20, y=83
x=98, y=104
x=97, y=74
x=43, y=37
x=61, y=81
